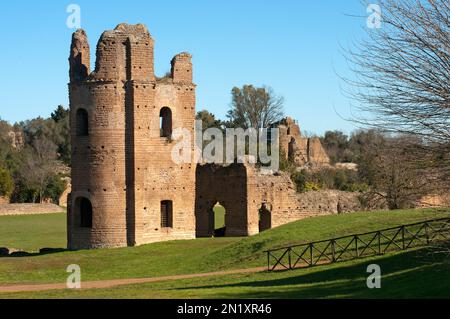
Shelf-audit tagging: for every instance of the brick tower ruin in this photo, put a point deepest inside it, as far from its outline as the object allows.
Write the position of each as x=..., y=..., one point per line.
x=126, y=190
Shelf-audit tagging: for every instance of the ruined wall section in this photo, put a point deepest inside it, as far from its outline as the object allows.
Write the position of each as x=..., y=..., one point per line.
x=80, y=58
x=181, y=69
x=316, y=153
x=158, y=176
x=277, y=193
x=124, y=54
x=226, y=185
x=300, y=150
x=244, y=190
x=330, y=202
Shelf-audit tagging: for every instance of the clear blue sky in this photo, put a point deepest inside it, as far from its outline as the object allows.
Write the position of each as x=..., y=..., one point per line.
x=292, y=46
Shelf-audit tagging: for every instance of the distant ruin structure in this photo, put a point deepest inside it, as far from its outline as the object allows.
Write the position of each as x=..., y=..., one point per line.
x=302, y=151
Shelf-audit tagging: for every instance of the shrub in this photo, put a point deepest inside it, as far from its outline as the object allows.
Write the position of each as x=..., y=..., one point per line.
x=328, y=178
x=310, y=186
x=55, y=188
x=300, y=180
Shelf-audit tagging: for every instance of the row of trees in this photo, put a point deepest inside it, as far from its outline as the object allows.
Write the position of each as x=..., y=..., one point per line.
x=33, y=155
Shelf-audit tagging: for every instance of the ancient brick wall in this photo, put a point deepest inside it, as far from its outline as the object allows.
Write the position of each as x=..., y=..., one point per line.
x=7, y=209
x=274, y=193
x=226, y=185
x=254, y=201
x=122, y=165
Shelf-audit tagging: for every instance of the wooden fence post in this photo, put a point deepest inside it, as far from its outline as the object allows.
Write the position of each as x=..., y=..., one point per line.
x=289, y=257
x=333, y=251
x=403, y=237
x=379, y=243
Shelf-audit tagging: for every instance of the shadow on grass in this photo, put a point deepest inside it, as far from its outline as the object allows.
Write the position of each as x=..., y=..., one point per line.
x=422, y=273
x=4, y=252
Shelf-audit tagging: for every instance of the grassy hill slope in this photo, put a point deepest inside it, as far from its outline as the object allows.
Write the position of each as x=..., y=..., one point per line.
x=184, y=257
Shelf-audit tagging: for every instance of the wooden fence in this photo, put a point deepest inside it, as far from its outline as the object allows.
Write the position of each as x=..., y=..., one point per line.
x=359, y=245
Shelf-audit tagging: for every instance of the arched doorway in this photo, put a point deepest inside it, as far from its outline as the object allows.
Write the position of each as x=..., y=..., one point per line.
x=218, y=220
x=165, y=124
x=265, y=218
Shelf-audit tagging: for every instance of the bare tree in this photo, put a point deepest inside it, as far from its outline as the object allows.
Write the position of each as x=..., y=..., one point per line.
x=255, y=107
x=395, y=169
x=38, y=166
x=402, y=71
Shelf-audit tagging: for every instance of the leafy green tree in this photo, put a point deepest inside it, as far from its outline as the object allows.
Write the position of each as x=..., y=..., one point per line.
x=336, y=144
x=6, y=183
x=55, y=129
x=55, y=187
x=60, y=114
x=208, y=120
x=254, y=107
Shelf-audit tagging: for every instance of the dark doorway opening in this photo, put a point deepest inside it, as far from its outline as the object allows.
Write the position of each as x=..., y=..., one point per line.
x=166, y=214
x=82, y=123
x=84, y=207
x=265, y=218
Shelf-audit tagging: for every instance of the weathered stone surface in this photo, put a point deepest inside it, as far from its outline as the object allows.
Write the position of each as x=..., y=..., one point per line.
x=329, y=202
x=29, y=209
x=123, y=166
x=316, y=153
x=63, y=198
x=436, y=200
x=302, y=151
x=17, y=139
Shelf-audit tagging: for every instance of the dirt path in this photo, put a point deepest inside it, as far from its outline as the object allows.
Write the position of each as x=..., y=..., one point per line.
x=121, y=282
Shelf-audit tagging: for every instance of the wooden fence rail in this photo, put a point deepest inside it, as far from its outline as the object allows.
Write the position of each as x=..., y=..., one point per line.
x=359, y=245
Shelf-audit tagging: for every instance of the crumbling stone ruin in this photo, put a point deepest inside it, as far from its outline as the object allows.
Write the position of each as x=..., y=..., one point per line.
x=302, y=151
x=126, y=189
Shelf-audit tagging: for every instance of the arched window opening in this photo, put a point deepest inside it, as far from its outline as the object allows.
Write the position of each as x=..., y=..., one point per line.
x=165, y=116
x=218, y=220
x=82, y=124
x=166, y=214
x=265, y=218
x=84, y=207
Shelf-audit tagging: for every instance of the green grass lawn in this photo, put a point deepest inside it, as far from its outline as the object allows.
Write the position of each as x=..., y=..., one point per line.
x=213, y=254
x=32, y=232
x=422, y=273
x=219, y=216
